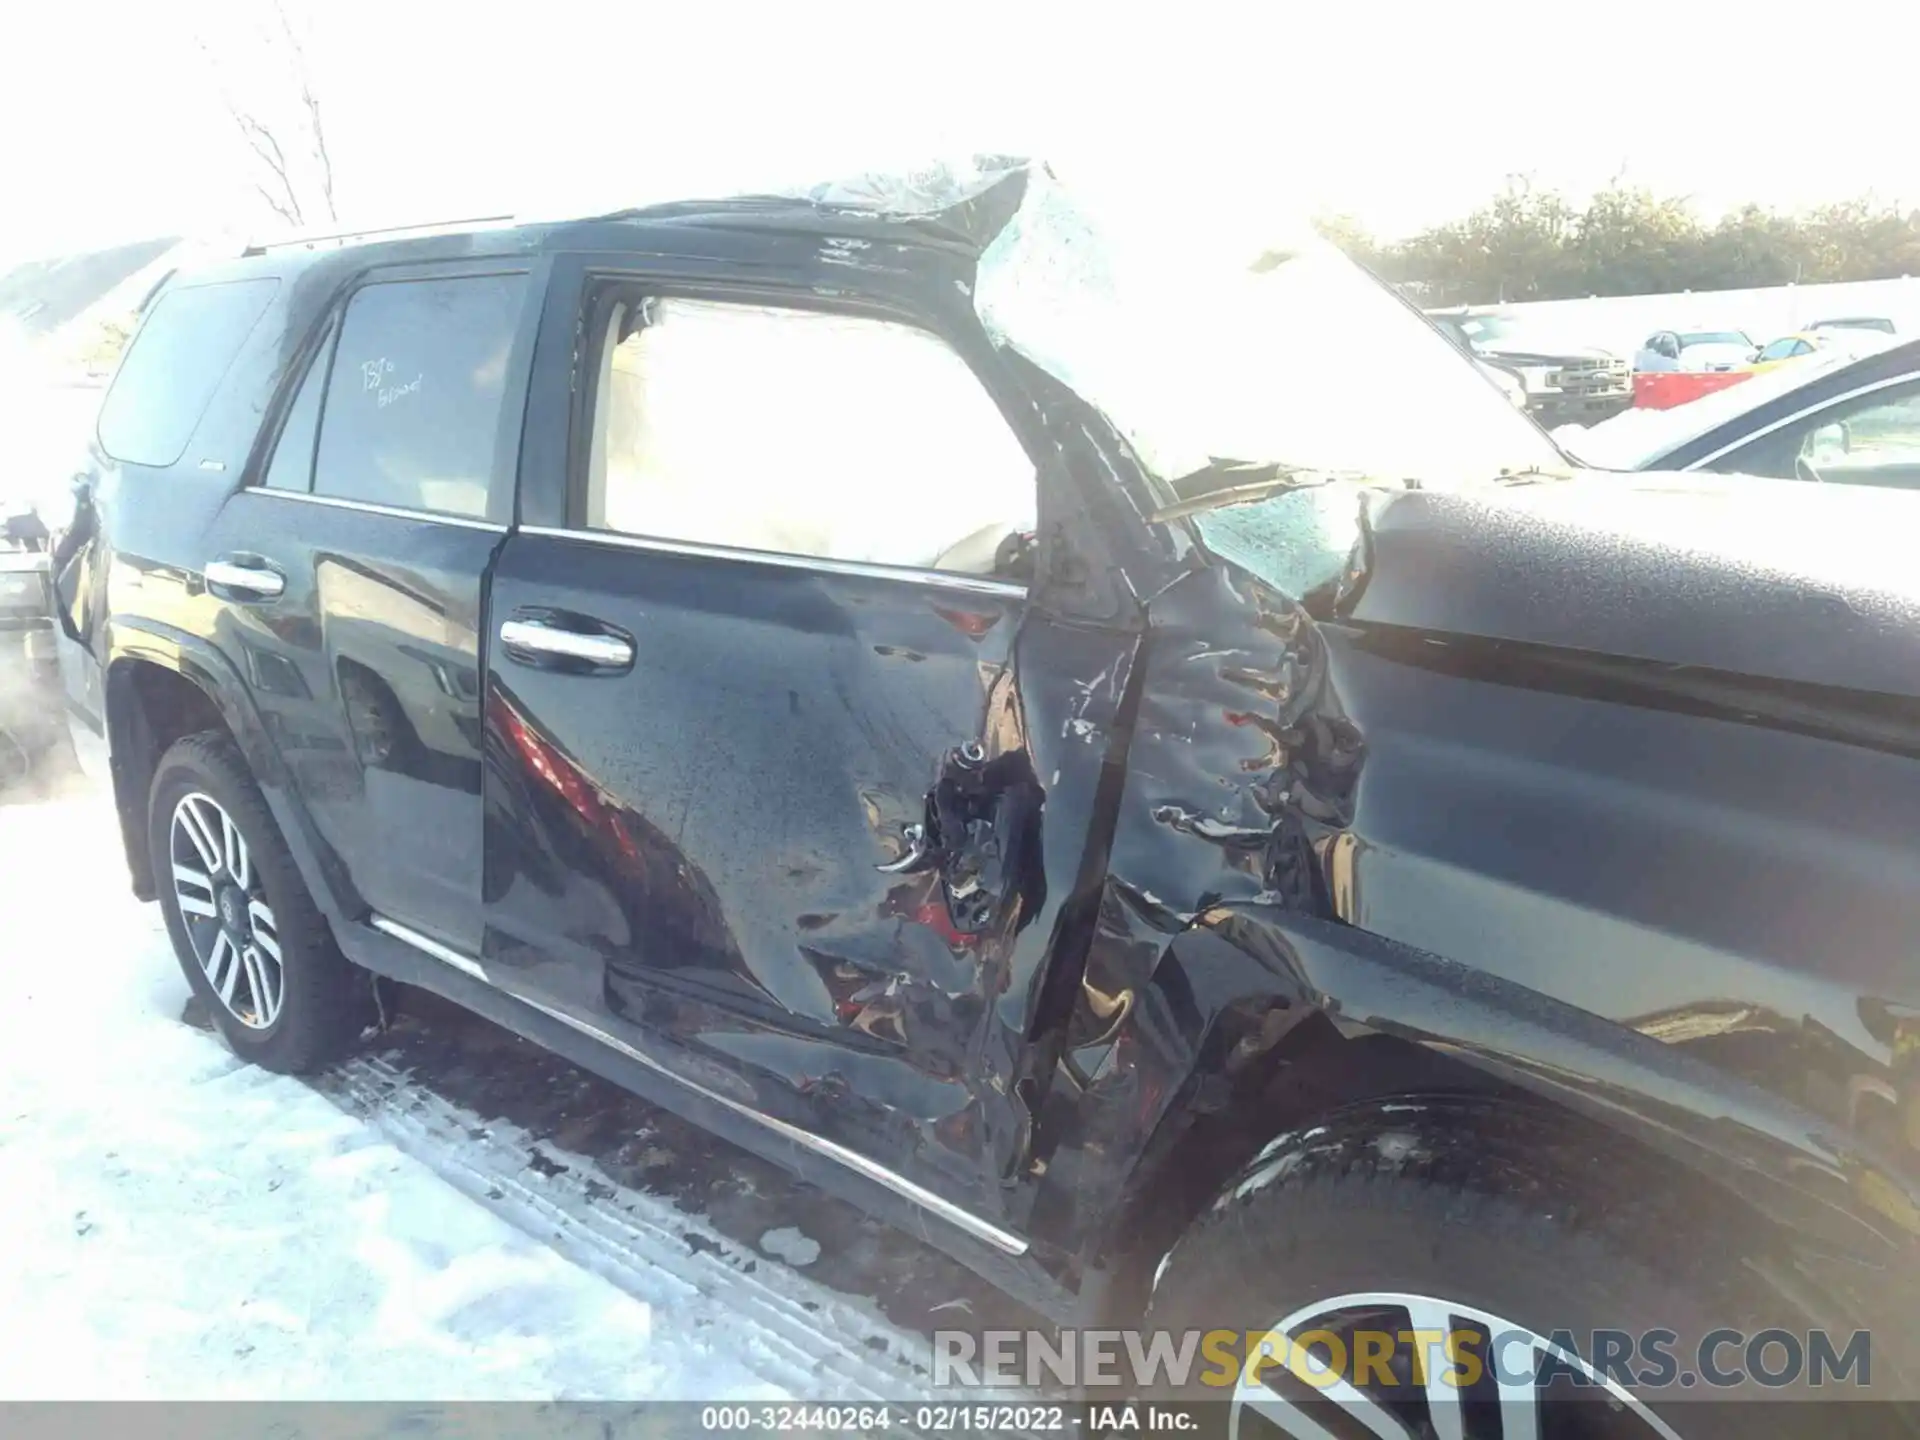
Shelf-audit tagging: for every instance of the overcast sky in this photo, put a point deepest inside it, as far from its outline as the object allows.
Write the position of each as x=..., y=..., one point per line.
x=1403, y=116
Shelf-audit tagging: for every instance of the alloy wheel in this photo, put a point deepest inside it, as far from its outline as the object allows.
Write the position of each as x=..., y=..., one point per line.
x=1525, y=1386
x=228, y=921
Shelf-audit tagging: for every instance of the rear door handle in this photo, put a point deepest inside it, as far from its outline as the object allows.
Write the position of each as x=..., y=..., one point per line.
x=544, y=642
x=249, y=578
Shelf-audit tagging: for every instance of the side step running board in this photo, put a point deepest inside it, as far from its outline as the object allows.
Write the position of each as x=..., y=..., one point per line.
x=1000, y=1239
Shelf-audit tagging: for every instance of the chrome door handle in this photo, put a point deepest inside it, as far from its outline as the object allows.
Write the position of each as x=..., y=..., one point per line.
x=249, y=579
x=538, y=638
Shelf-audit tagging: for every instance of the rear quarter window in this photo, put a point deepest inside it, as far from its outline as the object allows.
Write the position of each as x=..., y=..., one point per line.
x=176, y=364
x=416, y=413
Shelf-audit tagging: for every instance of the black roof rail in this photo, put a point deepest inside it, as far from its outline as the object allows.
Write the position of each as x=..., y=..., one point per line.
x=311, y=239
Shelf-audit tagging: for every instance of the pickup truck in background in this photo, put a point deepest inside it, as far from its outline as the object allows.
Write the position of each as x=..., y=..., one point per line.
x=1564, y=383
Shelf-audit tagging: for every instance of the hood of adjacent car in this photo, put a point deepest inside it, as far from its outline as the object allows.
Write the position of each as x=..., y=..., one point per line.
x=1776, y=580
x=1558, y=355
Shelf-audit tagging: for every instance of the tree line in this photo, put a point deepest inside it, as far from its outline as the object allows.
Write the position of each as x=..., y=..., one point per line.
x=1532, y=243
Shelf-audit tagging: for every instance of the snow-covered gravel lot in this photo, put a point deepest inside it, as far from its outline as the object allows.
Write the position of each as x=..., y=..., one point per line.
x=174, y=1224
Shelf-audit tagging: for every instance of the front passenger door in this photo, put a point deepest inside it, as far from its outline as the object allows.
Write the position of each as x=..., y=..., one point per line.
x=785, y=784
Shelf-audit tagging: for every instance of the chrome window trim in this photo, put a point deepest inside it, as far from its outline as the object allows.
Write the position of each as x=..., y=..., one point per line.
x=994, y=1235
x=945, y=579
x=1906, y=378
x=368, y=507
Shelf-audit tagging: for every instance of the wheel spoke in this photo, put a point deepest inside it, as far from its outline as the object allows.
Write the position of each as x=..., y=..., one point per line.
x=1444, y=1415
x=1287, y=1416
x=191, y=823
x=265, y=932
x=186, y=882
x=191, y=904
x=223, y=967
x=1290, y=1415
x=1519, y=1396
x=234, y=848
x=1368, y=1411
x=187, y=875
x=265, y=1001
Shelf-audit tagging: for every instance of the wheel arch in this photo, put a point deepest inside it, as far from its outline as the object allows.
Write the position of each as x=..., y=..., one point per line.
x=1309, y=1019
x=160, y=686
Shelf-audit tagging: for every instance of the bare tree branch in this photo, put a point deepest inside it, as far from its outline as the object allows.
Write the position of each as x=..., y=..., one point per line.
x=285, y=214
x=271, y=143
x=268, y=149
x=320, y=149
x=304, y=75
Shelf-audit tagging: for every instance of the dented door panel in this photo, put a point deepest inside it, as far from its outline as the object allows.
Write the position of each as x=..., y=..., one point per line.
x=709, y=856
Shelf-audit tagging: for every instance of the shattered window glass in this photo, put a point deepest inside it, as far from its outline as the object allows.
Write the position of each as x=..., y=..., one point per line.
x=1195, y=351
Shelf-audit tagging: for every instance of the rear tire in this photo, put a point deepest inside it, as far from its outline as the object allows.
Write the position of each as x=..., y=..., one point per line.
x=232, y=899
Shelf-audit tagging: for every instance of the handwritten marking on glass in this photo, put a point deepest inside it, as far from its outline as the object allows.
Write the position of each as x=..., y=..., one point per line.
x=372, y=375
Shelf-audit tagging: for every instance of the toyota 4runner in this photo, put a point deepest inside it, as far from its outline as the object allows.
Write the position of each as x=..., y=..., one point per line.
x=957, y=711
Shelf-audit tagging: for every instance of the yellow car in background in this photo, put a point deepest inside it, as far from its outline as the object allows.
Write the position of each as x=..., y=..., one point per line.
x=1802, y=343
x=1787, y=349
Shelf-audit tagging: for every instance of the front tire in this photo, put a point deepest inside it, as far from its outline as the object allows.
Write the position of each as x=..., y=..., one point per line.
x=248, y=936
x=1384, y=1235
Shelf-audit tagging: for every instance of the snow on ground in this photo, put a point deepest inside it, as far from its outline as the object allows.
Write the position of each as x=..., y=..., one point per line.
x=174, y=1224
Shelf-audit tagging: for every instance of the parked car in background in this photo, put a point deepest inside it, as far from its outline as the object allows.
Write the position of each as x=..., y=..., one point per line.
x=997, y=734
x=1833, y=417
x=1695, y=350
x=33, y=718
x=1564, y=381
x=1797, y=346
x=1878, y=323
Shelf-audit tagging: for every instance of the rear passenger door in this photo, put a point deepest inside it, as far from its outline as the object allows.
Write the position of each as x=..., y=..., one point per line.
x=354, y=572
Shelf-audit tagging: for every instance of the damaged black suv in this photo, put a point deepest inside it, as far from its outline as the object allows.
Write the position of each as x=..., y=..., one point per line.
x=966, y=714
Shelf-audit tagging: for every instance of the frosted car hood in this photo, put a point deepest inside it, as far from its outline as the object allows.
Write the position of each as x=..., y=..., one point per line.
x=1778, y=580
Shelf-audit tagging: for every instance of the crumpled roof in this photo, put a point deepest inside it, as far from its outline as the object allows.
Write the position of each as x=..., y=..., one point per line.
x=1047, y=285
x=926, y=189
x=971, y=196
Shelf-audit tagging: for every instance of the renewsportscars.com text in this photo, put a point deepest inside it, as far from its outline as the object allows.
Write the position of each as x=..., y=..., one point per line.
x=1140, y=1361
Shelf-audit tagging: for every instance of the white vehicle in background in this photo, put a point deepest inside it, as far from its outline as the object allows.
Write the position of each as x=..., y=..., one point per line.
x=1698, y=349
x=1878, y=324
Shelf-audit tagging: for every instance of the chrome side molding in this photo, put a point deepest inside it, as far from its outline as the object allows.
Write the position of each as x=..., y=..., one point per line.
x=994, y=1235
x=429, y=947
